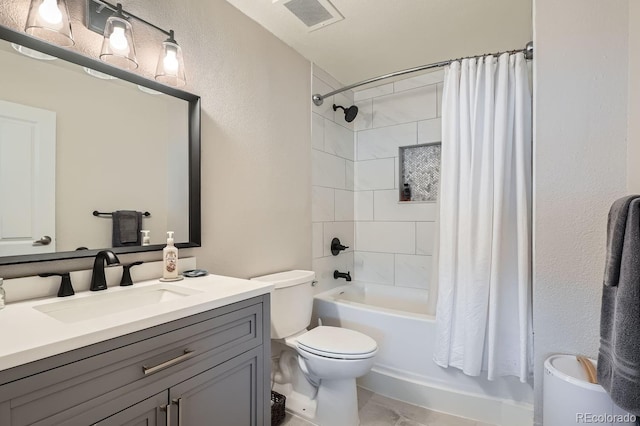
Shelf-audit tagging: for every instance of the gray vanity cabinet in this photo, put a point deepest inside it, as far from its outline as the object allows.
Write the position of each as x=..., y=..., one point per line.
x=211, y=368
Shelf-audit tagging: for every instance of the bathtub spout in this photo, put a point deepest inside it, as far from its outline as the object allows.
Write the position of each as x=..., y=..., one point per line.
x=346, y=275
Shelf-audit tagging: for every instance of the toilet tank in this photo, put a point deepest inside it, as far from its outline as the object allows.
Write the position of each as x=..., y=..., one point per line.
x=291, y=301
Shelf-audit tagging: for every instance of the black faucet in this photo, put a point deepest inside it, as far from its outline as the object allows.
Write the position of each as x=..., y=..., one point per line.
x=98, y=280
x=346, y=275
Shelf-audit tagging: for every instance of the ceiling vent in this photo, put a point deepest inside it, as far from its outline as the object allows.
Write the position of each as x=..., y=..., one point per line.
x=315, y=14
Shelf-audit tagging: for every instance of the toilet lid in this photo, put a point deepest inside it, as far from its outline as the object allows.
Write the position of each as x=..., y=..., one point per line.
x=336, y=342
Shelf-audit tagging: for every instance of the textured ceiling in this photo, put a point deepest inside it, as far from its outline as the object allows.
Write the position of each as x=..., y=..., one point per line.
x=381, y=36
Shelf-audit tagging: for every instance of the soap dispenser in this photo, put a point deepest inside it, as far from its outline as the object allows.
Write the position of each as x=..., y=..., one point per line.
x=145, y=237
x=170, y=260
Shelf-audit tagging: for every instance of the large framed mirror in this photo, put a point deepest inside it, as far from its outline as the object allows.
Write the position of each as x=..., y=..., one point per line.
x=81, y=140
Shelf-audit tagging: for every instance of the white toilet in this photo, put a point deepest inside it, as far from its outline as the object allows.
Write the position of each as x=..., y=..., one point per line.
x=317, y=368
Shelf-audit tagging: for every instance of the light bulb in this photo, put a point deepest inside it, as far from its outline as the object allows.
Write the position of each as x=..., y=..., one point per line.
x=50, y=12
x=170, y=62
x=118, y=40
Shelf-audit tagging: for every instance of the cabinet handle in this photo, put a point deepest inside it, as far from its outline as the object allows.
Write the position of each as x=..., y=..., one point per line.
x=185, y=356
x=178, y=402
x=167, y=409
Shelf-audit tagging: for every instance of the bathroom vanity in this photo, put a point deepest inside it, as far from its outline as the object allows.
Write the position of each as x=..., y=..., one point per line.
x=193, y=360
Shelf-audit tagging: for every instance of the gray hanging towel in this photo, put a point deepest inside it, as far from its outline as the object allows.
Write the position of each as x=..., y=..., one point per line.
x=619, y=355
x=127, y=225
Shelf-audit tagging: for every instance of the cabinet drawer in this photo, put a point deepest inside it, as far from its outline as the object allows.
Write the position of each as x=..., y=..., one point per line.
x=56, y=396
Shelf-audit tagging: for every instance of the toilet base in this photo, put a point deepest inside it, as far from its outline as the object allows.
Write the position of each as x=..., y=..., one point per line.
x=337, y=403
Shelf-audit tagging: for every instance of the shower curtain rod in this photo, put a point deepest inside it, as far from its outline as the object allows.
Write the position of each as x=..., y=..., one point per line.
x=318, y=99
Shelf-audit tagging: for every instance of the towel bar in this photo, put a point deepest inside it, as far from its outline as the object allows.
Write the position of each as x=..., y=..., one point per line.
x=97, y=213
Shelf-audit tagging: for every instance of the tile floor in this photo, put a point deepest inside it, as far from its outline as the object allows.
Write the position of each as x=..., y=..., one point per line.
x=377, y=410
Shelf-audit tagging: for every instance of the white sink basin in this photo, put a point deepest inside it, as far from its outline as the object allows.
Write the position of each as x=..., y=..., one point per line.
x=100, y=304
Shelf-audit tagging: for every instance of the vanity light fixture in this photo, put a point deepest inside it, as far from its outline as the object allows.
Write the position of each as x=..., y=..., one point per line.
x=117, y=47
x=170, y=69
x=49, y=20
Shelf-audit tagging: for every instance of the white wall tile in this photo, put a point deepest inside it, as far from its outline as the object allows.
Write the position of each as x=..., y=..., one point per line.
x=386, y=207
x=374, y=267
x=322, y=204
x=419, y=81
x=320, y=87
x=364, y=119
x=338, y=140
x=349, y=175
x=412, y=271
x=374, y=174
x=386, y=237
x=342, y=230
x=317, y=239
x=372, y=92
x=396, y=172
x=317, y=131
x=425, y=236
x=403, y=107
x=383, y=142
x=440, y=88
x=327, y=170
x=363, y=201
x=324, y=267
x=344, y=205
x=430, y=130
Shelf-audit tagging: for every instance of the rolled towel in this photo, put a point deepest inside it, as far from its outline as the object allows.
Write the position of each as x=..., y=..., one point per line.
x=127, y=225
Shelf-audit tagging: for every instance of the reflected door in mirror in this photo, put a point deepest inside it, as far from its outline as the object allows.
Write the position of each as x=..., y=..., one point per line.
x=27, y=179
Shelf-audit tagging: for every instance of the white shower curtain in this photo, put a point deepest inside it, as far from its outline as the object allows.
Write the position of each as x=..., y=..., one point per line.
x=484, y=297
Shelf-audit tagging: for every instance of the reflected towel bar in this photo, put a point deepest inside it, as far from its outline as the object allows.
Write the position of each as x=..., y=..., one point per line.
x=97, y=213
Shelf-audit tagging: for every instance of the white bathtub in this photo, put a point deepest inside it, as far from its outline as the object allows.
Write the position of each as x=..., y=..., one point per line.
x=397, y=319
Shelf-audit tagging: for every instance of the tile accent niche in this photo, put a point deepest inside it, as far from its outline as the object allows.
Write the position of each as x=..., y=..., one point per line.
x=420, y=171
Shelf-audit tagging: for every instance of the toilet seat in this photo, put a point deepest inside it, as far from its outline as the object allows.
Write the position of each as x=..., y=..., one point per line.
x=337, y=343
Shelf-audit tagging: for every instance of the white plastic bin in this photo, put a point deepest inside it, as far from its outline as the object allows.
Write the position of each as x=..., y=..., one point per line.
x=569, y=398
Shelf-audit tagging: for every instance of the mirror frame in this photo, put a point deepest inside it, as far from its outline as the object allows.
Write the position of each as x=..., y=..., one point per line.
x=25, y=40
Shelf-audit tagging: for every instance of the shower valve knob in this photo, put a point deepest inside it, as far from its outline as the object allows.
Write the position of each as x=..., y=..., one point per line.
x=336, y=247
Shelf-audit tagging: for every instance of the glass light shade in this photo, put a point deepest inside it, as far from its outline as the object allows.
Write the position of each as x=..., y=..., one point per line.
x=98, y=74
x=33, y=53
x=170, y=69
x=117, y=47
x=49, y=20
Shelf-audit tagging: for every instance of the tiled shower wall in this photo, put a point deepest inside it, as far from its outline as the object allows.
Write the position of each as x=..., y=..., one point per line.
x=355, y=182
x=394, y=240
x=332, y=182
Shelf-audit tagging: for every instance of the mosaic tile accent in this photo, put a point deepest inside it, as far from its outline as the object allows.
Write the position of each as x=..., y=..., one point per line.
x=420, y=168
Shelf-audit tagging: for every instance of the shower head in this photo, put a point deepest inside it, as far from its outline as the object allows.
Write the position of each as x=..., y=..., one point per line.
x=349, y=113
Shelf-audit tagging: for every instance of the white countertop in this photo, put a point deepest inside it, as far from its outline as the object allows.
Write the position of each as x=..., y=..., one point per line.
x=29, y=334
